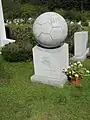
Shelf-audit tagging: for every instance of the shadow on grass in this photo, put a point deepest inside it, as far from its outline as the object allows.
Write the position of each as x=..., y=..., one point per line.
x=4, y=74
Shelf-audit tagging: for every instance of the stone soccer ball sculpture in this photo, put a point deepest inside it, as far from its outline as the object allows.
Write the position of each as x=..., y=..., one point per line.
x=50, y=29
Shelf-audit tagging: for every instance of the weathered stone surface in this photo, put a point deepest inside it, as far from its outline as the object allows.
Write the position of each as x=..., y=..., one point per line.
x=49, y=65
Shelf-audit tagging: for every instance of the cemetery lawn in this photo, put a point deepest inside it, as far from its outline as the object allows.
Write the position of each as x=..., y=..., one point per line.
x=20, y=99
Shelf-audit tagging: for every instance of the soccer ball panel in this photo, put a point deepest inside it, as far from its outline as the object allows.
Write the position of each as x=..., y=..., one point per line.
x=56, y=33
x=42, y=19
x=37, y=29
x=45, y=39
x=50, y=29
x=46, y=28
x=57, y=21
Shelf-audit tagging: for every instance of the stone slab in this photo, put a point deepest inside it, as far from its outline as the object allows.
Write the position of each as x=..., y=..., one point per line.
x=80, y=46
x=49, y=81
x=81, y=58
x=3, y=39
x=49, y=63
x=80, y=43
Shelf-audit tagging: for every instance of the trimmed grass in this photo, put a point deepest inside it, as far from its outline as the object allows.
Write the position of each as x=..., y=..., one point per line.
x=20, y=99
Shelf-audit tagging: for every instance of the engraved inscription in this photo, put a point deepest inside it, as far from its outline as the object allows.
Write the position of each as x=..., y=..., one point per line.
x=46, y=61
x=54, y=21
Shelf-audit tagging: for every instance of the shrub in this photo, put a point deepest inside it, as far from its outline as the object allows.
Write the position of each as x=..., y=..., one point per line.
x=23, y=34
x=69, y=15
x=8, y=32
x=83, y=18
x=85, y=23
x=20, y=51
x=74, y=15
x=11, y=9
x=60, y=11
x=29, y=10
x=87, y=14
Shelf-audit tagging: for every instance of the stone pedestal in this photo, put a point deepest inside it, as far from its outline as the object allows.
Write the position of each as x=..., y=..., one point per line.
x=49, y=64
x=80, y=46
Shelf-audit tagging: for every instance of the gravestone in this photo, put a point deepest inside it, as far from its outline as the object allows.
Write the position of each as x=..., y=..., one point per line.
x=3, y=39
x=80, y=45
x=50, y=55
x=49, y=64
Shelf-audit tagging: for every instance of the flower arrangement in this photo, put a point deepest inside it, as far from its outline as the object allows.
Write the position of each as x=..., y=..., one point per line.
x=76, y=71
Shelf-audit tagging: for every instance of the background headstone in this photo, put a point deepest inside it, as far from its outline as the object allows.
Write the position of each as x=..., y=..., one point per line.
x=2, y=27
x=80, y=45
x=3, y=39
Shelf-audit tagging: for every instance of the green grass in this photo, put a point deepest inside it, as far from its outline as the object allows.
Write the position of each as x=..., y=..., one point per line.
x=20, y=99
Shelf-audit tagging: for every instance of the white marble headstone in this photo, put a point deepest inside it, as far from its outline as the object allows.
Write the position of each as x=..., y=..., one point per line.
x=49, y=65
x=50, y=29
x=80, y=45
x=3, y=39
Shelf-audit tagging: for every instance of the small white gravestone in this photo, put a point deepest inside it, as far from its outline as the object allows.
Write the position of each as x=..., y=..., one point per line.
x=80, y=45
x=3, y=39
x=50, y=57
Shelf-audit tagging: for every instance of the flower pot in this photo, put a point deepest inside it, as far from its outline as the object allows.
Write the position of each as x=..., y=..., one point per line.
x=76, y=80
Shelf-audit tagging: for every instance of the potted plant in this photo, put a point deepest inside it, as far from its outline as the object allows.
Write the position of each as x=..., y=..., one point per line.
x=75, y=72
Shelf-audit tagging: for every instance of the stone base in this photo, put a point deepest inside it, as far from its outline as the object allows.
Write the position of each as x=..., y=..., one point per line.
x=49, y=81
x=81, y=58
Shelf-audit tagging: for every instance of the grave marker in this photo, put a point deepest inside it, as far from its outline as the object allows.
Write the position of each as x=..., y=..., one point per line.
x=3, y=39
